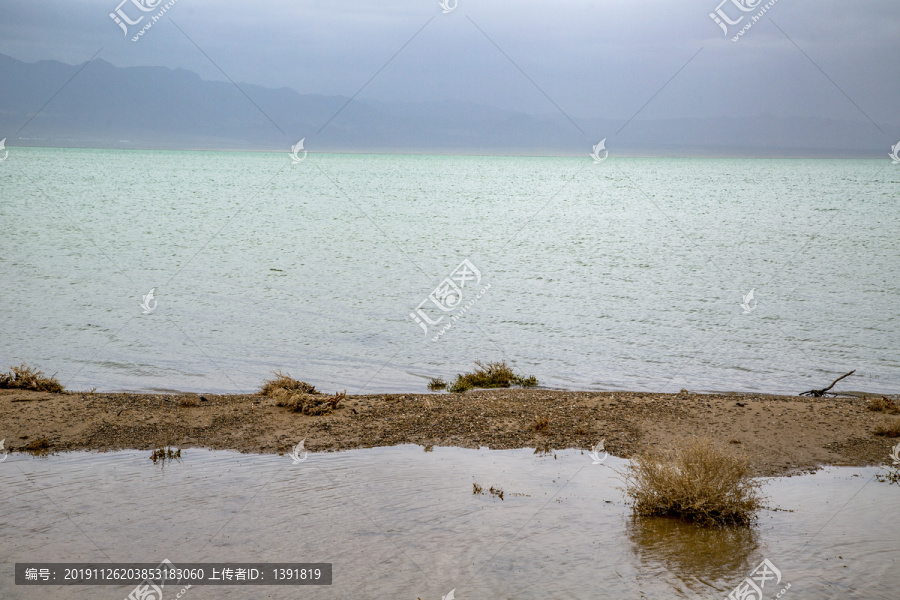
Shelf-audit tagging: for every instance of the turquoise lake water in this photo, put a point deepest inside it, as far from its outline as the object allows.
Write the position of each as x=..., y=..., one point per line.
x=627, y=274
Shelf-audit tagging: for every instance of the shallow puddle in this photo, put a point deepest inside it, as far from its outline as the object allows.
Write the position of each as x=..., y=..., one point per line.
x=402, y=523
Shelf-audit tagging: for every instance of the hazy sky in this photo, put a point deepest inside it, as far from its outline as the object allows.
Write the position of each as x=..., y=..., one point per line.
x=594, y=58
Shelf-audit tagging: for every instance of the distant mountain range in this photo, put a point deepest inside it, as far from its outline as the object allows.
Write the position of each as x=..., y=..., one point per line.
x=155, y=107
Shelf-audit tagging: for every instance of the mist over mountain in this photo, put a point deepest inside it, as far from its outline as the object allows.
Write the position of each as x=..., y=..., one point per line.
x=156, y=107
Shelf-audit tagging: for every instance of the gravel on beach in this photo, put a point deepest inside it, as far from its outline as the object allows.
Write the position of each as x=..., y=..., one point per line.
x=780, y=434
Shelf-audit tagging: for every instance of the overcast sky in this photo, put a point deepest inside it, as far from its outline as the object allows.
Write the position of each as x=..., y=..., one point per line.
x=593, y=58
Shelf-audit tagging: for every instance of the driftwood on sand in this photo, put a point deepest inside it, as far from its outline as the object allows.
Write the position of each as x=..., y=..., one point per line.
x=820, y=393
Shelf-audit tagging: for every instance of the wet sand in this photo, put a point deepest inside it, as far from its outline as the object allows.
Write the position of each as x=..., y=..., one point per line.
x=780, y=434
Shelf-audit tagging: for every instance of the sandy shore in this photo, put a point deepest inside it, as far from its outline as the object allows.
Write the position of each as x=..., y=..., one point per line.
x=780, y=434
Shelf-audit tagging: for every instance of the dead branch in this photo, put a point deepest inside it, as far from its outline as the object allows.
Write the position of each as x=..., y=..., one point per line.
x=820, y=393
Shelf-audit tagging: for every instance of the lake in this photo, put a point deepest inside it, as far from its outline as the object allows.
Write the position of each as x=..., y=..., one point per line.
x=628, y=274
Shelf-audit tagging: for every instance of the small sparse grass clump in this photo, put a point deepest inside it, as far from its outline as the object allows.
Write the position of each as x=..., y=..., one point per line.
x=437, y=383
x=165, y=454
x=530, y=381
x=696, y=481
x=25, y=378
x=544, y=449
x=892, y=476
x=459, y=387
x=39, y=444
x=491, y=375
x=284, y=382
x=38, y=447
x=540, y=424
x=496, y=492
x=889, y=428
x=884, y=405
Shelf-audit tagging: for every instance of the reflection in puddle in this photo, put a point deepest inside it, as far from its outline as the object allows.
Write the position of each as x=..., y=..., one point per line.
x=402, y=523
x=692, y=553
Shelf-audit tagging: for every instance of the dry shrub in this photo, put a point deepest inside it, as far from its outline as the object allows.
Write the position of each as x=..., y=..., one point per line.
x=313, y=405
x=491, y=375
x=696, y=481
x=885, y=405
x=889, y=428
x=437, y=383
x=26, y=378
x=285, y=382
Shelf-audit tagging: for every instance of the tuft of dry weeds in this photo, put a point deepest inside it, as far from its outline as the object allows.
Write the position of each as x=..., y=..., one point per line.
x=24, y=377
x=892, y=476
x=313, y=405
x=491, y=375
x=884, y=405
x=890, y=427
x=696, y=481
x=284, y=382
x=544, y=449
x=496, y=492
x=165, y=454
x=38, y=447
x=437, y=383
x=540, y=424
